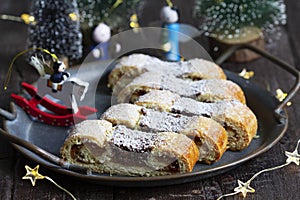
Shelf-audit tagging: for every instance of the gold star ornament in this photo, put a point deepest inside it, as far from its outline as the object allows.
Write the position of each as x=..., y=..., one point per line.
x=293, y=156
x=33, y=174
x=244, y=188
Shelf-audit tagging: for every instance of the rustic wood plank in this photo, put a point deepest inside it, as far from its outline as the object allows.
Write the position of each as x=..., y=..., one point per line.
x=6, y=177
x=293, y=8
x=13, y=40
x=280, y=184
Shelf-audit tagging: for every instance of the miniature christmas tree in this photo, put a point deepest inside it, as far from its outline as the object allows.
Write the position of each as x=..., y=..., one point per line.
x=114, y=13
x=227, y=19
x=56, y=27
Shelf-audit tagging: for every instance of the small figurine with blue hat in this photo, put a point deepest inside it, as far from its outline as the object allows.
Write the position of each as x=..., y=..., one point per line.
x=169, y=16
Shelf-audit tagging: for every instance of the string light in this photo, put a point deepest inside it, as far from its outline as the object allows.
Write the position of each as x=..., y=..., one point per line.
x=134, y=23
x=114, y=6
x=33, y=175
x=8, y=75
x=110, y=12
x=169, y=3
x=25, y=18
x=73, y=16
x=244, y=188
x=28, y=19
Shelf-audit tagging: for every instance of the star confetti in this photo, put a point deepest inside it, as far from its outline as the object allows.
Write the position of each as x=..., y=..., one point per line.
x=244, y=188
x=280, y=95
x=246, y=74
x=33, y=175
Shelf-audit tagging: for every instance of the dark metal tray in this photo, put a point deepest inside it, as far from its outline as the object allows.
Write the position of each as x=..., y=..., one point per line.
x=41, y=142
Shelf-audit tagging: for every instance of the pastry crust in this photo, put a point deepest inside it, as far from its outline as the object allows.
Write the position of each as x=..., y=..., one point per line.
x=129, y=67
x=183, y=112
x=125, y=114
x=238, y=120
x=94, y=144
x=210, y=137
x=208, y=90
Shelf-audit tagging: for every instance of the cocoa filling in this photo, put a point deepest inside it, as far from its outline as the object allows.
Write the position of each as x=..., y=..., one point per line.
x=136, y=94
x=75, y=153
x=128, y=158
x=190, y=77
x=86, y=153
x=197, y=141
x=173, y=167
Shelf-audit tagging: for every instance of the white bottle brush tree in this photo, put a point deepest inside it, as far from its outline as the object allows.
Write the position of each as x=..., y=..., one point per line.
x=227, y=19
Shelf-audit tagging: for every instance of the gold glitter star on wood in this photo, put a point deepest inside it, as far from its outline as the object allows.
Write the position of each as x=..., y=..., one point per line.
x=33, y=174
x=244, y=188
x=293, y=156
x=246, y=74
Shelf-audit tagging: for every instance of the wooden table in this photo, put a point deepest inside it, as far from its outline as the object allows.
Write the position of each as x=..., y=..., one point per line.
x=280, y=184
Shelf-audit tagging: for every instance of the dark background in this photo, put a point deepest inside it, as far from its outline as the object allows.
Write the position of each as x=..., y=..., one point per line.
x=280, y=184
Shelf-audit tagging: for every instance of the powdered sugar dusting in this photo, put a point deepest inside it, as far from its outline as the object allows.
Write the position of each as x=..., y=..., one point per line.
x=219, y=111
x=204, y=90
x=133, y=140
x=190, y=106
x=194, y=68
x=162, y=121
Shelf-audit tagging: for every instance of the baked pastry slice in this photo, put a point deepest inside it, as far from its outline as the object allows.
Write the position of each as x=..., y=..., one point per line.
x=96, y=145
x=209, y=136
x=208, y=90
x=129, y=67
x=237, y=119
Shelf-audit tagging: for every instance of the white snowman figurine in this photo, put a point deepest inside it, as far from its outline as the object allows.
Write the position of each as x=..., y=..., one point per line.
x=102, y=35
x=169, y=16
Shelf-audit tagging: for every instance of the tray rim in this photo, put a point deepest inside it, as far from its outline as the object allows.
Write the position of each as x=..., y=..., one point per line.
x=135, y=181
